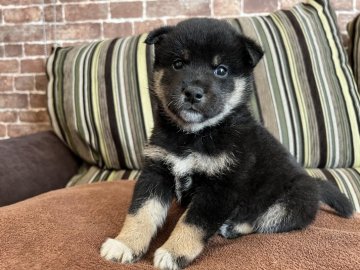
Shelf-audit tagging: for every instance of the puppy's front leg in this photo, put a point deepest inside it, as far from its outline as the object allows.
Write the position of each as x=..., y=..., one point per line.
x=209, y=208
x=147, y=212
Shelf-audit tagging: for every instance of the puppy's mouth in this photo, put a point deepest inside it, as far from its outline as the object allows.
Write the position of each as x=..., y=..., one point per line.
x=186, y=112
x=191, y=115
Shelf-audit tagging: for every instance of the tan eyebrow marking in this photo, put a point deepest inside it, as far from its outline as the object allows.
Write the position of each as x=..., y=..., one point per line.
x=186, y=54
x=216, y=60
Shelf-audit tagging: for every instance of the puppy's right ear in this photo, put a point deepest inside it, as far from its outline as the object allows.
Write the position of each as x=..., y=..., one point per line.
x=158, y=34
x=254, y=50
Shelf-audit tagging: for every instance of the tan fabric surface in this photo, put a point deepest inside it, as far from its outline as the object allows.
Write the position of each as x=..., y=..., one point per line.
x=64, y=230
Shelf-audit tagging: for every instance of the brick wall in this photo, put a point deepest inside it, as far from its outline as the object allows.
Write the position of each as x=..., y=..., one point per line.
x=25, y=25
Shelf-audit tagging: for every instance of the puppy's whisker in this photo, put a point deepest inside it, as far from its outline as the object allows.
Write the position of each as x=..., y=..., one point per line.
x=178, y=104
x=169, y=104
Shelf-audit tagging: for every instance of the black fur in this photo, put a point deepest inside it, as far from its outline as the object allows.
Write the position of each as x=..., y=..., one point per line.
x=329, y=195
x=263, y=173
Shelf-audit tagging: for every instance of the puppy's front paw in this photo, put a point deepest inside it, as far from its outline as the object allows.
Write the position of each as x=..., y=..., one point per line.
x=163, y=259
x=228, y=231
x=232, y=230
x=115, y=250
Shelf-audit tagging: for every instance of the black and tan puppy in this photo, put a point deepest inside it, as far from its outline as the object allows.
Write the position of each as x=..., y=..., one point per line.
x=209, y=153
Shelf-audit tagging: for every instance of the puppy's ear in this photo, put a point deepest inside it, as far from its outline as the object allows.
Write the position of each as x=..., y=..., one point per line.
x=158, y=34
x=254, y=50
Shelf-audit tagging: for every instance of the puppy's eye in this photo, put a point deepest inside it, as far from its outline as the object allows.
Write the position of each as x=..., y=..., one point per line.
x=221, y=71
x=178, y=64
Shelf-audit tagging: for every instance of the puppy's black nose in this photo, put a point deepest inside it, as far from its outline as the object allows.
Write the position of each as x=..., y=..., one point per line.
x=193, y=94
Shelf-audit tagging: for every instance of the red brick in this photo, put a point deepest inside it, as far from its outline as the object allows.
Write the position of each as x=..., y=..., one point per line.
x=76, y=31
x=18, y=33
x=2, y=51
x=13, y=50
x=73, y=43
x=112, y=30
x=34, y=116
x=34, y=49
x=83, y=12
x=41, y=82
x=13, y=101
x=24, y=83
x=50, y=15
x=342, y=4
x=176, y=8
x=19, y=2
x=6, y=83
x=8, y=116
x=262, y=6
x=2, y=130
x=38, y=100
x=72, y=1
x=126, y=10
x=33, y=65
x=343, y=19
x=9, y=66
x=22, y=15
x=287, y=4
x=146, y=26
x=174, y=21
x=16, y=130
x=345, y=39
x=227, y=7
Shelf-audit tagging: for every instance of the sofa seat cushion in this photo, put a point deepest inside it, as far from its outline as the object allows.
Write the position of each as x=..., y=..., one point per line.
x=346, y=179
x=64, y=229
x=88, y=174
x=305, y=92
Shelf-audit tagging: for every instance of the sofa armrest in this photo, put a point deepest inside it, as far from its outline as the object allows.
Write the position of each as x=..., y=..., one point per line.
x=34, y=164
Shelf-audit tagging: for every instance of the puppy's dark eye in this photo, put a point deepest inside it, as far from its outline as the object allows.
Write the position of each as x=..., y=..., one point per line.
x=178, y=64
x=221, y=71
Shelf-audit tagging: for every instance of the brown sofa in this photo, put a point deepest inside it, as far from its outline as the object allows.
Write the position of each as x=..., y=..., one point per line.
x=64, y=229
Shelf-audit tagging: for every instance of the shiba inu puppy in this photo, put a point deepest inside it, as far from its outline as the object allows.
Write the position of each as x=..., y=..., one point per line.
x=209, y=153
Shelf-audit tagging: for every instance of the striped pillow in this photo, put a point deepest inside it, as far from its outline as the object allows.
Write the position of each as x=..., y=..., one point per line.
x=346, y=179
x=99, y=102
x=305, y=92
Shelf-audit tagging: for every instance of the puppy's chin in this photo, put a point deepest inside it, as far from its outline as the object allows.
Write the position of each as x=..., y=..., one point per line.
x=191, y=116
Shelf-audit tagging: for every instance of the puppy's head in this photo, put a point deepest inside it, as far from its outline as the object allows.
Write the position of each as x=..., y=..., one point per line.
x=202, y=71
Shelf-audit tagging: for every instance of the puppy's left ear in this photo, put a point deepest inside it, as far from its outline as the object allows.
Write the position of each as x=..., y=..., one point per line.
x=158, y=34
x=254, y=50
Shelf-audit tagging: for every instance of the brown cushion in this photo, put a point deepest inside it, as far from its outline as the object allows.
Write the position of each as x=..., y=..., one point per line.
x=64, y=229
x=34, y=164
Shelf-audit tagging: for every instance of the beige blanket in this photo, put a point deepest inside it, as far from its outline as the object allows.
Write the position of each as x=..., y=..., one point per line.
x=64, y=230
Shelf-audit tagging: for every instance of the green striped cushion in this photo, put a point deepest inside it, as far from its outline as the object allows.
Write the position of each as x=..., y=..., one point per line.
x=99, y=102
x=353, y=29
x=92, y=174
x=305, y=91
x=348, y=180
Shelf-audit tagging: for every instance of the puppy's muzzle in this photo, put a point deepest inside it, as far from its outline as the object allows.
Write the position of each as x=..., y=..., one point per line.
x=193, y=94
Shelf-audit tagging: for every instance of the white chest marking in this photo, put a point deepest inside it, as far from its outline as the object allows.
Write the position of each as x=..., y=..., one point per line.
x=192, y=163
